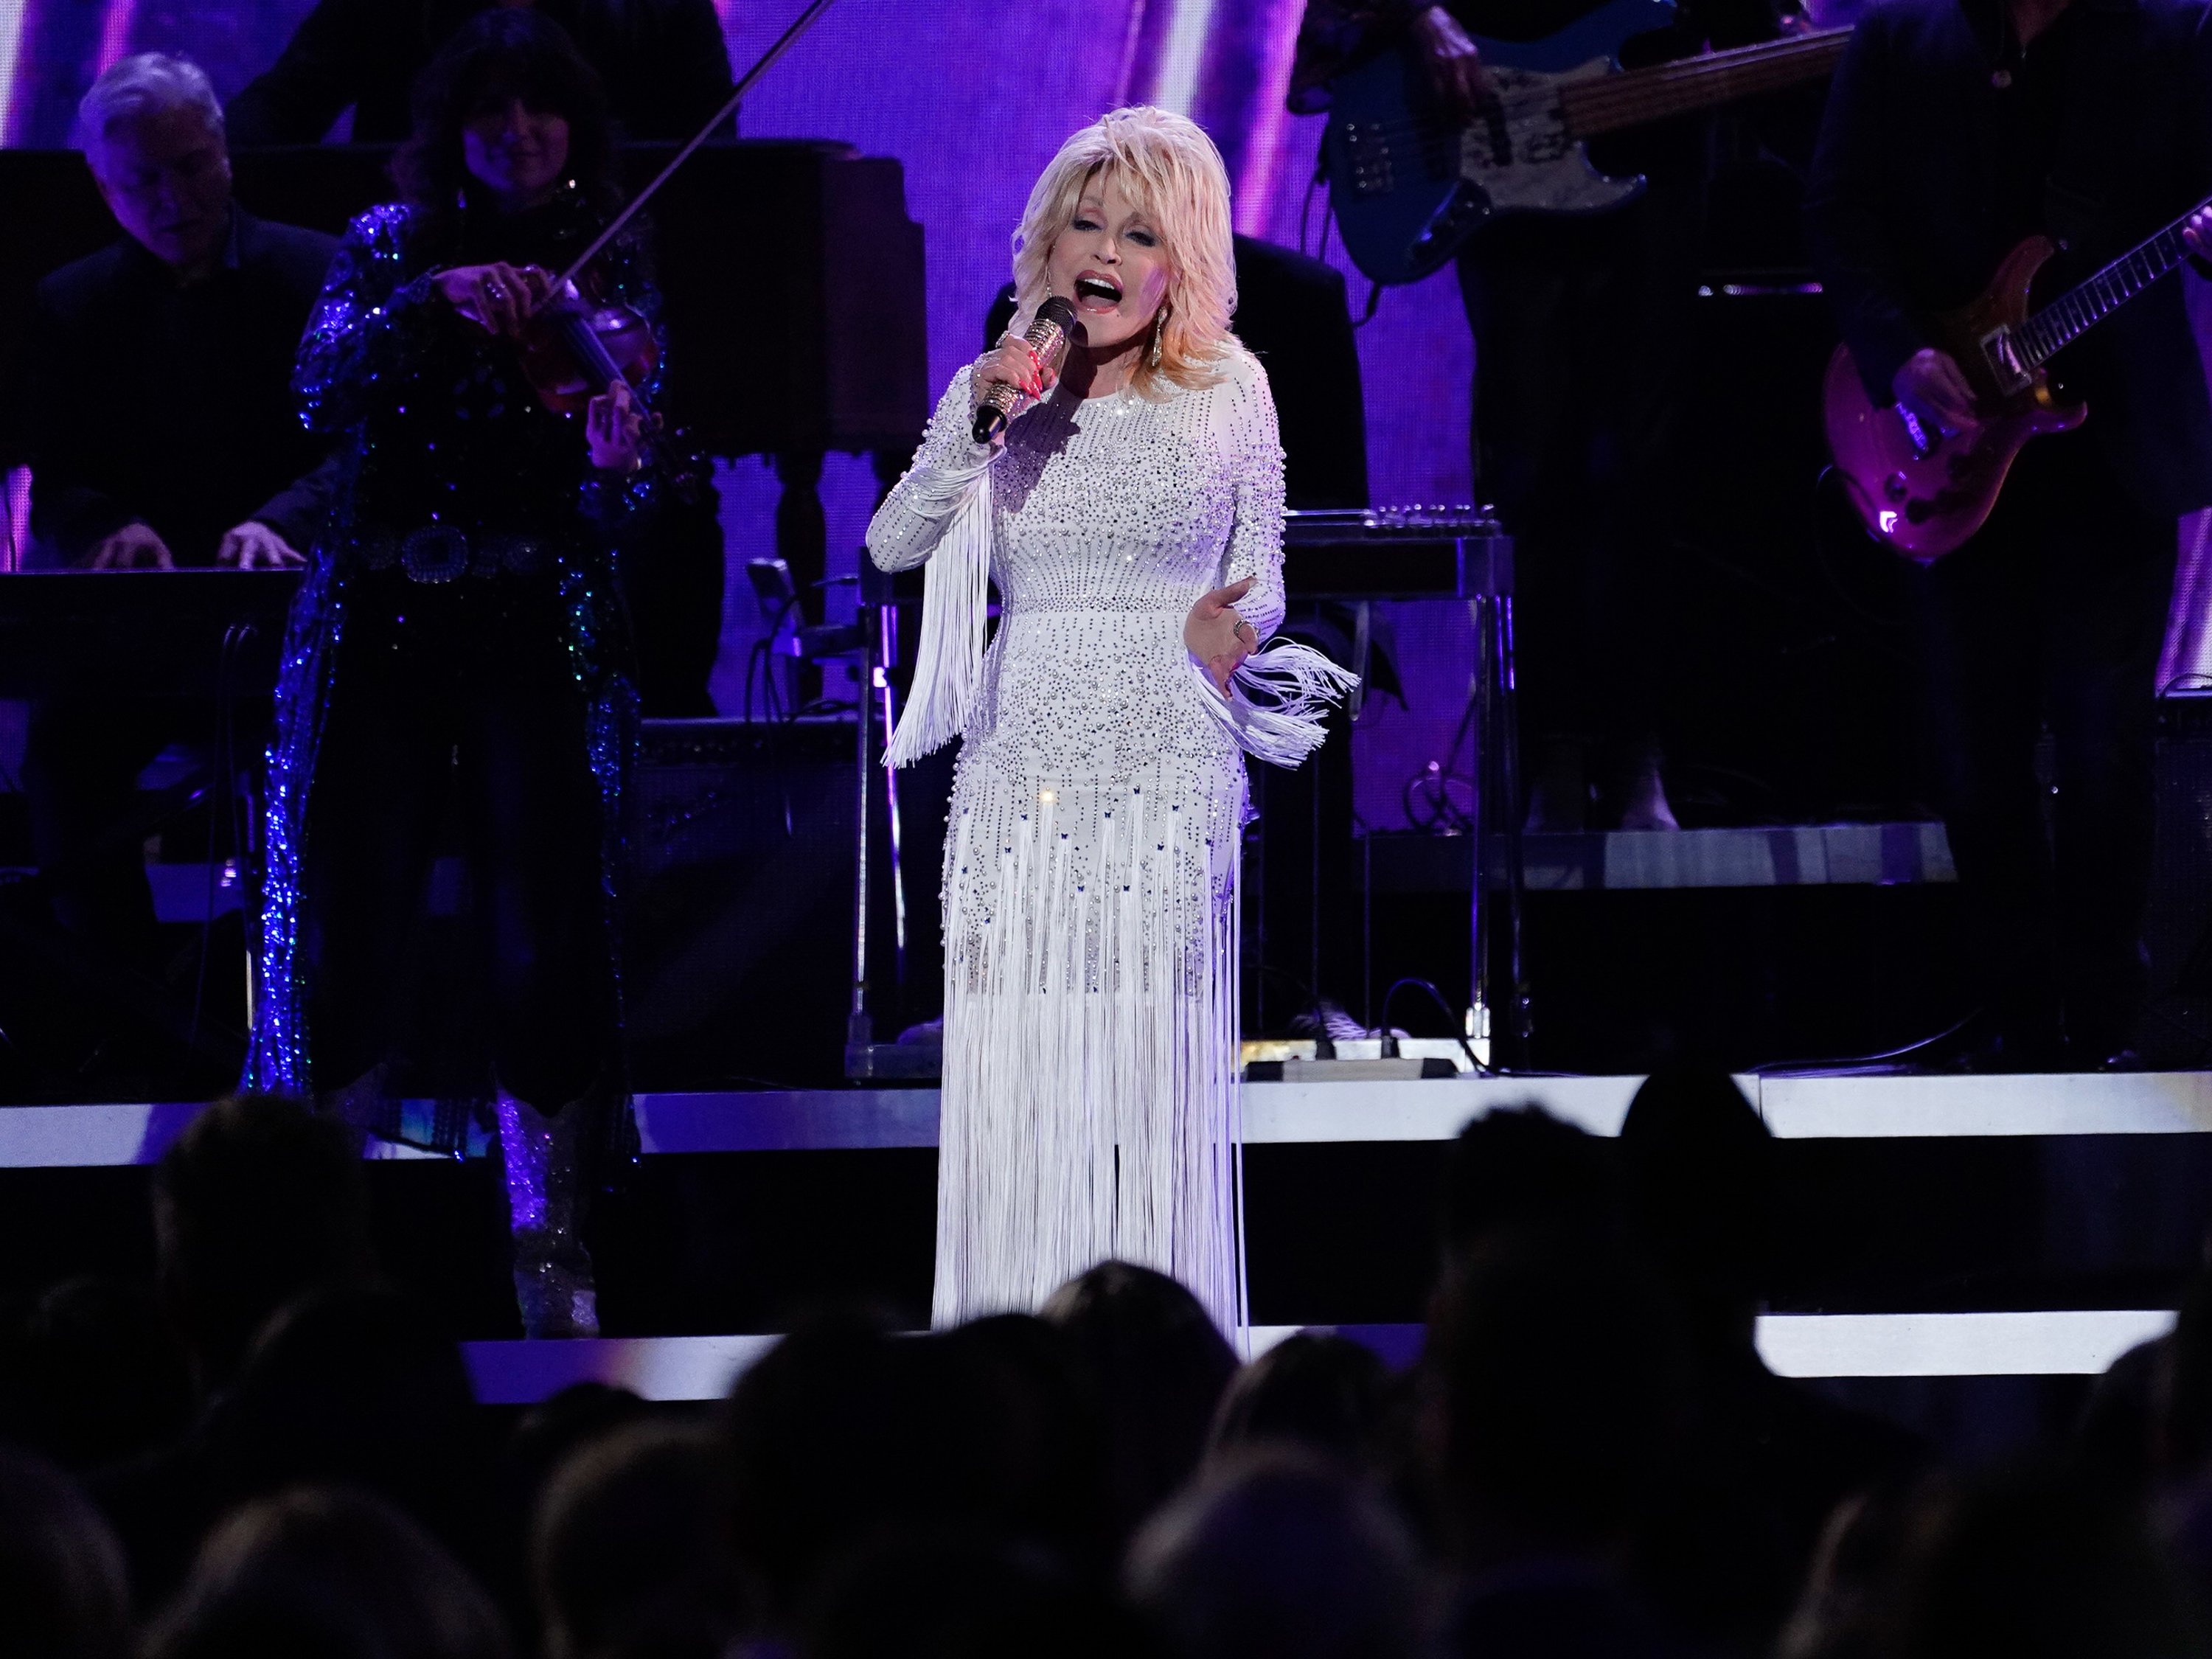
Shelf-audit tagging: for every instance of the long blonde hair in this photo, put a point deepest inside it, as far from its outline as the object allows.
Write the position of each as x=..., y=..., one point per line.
x=1172, y=170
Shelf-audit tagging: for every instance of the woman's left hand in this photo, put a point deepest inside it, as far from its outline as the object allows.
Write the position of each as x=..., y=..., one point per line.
x=615, y=430
x=1219, y=638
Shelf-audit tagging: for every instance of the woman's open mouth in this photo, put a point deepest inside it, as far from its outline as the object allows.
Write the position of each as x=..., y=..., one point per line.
x=1096, y=292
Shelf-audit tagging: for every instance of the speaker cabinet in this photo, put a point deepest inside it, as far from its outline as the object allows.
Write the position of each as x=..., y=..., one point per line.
x=739, y=947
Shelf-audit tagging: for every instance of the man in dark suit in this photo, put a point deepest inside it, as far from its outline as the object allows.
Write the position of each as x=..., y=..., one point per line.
x=1956, y=129
x=155, y=395
x=663, y=62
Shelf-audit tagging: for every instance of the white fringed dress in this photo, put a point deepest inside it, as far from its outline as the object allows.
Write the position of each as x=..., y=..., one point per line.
x=1090, y=1099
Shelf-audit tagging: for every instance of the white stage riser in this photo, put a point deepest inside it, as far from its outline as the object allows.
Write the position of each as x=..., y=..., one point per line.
x=2064, y=1343
x=1289, y=1113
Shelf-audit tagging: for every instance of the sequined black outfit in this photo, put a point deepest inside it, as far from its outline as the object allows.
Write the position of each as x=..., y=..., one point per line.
x=458, y=636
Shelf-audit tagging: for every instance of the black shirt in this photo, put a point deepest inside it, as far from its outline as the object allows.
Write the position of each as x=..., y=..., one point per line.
x=169, y=404
x=1943, y=146
x=2028, y=114
x=664, y=63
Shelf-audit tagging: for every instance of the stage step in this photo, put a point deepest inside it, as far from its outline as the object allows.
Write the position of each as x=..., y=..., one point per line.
x=1809, y=1107
x=2064, y=1343
x=2019, y=1231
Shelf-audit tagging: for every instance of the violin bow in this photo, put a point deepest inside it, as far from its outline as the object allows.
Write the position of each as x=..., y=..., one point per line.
x=784, y=43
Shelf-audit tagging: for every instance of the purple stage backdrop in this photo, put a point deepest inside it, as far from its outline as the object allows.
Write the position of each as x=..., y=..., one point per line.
x=973, y=100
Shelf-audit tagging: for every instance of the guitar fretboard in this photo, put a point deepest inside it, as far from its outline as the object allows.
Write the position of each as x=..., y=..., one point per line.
x=1607, y=103
x=2082, y=306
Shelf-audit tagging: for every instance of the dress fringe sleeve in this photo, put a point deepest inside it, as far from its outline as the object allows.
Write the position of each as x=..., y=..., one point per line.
x=1279, y=701
x=1280, y=696
x=940, y=511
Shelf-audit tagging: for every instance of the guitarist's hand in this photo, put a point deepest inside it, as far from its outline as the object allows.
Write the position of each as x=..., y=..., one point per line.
x=2198, y=233
x=1454, y=62
x=1933, y=387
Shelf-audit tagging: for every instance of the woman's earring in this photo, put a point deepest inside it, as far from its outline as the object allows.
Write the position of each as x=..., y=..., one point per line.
x=1159, y=327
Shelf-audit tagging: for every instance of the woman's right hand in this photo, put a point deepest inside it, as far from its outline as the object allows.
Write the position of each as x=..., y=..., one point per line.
x=497, y=298
x=1011, y=363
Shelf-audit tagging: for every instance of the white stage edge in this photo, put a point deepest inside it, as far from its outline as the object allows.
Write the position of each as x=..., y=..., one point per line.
x=1299, y=1111
x=2065, y=1343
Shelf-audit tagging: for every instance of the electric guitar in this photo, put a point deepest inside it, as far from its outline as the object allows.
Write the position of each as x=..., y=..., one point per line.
x=1922, y=492
x=1409, y=181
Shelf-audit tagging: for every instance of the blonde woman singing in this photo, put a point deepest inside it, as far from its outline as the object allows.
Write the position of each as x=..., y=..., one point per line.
x=1131, y=516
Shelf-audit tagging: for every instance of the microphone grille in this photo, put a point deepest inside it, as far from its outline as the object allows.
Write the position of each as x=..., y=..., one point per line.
x=1058, y=311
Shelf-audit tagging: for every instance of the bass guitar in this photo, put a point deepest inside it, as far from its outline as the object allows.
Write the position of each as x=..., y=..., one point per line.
x=1409, y=181
x=1923, y=492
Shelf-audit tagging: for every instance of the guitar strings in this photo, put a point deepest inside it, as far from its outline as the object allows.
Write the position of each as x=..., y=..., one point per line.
x=1585, y=93
x=1605, y=96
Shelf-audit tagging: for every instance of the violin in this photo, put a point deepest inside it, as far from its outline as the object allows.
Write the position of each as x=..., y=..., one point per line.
x=579, y=343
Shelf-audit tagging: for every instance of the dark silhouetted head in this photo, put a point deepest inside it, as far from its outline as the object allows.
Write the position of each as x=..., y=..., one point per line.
x=2031, y=1564
x=548, y=1434
x=63, y=1594
x=1700, y=1174
x=1051, y=1431
x=1519, y=1170
x=1279, y=1555
x=258, y=1202
x=1552, y=1400
x=628, y=1554
x=954, y=1596
x=1841, y=1611
x=844, y=1431
x=2181, y=1427
x=1158, y=1366
x=358, y=1389
x=1314, y=1390
x=97, y=1375
x=326, y=1574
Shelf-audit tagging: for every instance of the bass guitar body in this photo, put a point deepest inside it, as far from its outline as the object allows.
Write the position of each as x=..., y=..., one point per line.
x=1917, y=491
x=1408, y=184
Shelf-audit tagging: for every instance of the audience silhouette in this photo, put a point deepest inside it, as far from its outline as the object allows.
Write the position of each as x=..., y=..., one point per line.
x=62, y=1591
x=326, y=1574
x=1764, y=1460
x=1280, y=1555
x=626, y=1553
x=259, y=1201
x=268, y=1451
x=1157, y=1365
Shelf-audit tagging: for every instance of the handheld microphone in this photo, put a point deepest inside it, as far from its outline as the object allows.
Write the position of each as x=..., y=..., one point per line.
x=1048, y=336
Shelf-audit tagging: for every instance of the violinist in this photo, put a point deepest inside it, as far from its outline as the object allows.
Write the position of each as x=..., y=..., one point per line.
x=459, y=636
x=154, y=389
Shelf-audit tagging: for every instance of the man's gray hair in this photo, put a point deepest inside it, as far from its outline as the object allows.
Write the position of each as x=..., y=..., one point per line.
x=147, y=82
